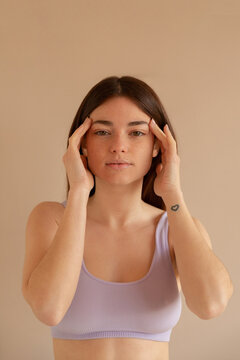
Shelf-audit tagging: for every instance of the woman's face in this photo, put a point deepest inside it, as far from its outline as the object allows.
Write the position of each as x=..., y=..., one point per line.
x=119, y=141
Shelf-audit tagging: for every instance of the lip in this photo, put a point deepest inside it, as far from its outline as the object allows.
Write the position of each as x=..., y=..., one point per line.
x=118, y=162
x=119, y=165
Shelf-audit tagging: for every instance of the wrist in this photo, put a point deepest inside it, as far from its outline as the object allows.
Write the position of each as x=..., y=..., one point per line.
x=78, y=191
x=173, y=198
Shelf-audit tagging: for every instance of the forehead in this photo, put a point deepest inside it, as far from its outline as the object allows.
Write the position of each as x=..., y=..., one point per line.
x=119, y=110
x=111, y=124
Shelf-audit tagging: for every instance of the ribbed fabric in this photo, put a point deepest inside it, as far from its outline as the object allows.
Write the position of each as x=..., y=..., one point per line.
x=148, y=308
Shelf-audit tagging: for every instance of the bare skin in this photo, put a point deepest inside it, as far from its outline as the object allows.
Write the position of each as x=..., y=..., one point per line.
x=117, y=348
x=113, y=135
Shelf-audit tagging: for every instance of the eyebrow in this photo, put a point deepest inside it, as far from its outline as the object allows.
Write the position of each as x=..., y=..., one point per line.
x=110, y=123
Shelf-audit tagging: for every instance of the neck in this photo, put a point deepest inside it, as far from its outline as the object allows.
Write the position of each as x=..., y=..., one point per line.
x=116, y=206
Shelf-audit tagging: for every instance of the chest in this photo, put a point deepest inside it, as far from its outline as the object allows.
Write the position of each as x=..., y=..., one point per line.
x=121, y=256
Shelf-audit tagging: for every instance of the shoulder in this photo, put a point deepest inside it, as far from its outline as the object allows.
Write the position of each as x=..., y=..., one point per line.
x=154, y=211
x=47, y=210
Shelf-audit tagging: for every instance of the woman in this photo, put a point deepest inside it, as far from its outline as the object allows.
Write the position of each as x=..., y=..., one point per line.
x=104, y=269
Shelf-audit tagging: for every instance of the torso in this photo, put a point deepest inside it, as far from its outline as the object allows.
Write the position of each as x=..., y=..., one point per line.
x=119, y=262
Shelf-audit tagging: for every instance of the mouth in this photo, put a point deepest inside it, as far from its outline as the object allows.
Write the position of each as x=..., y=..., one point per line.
x=119, y=162
x=119, y=165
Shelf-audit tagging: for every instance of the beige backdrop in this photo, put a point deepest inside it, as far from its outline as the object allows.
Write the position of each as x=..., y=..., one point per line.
x=52, y=53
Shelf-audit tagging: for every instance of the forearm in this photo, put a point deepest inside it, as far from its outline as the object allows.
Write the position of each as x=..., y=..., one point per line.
x=52, y=284
x=204, y=279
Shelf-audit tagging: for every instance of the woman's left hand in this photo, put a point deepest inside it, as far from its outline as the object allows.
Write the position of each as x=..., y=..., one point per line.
x=167, y=180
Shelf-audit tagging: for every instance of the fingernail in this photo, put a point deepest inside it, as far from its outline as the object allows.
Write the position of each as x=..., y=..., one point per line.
x=153, y=122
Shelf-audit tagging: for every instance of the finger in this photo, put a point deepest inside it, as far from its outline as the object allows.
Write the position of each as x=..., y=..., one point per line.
x=158, y=132
x=165, y=137
x=85, y=125
x=170, y=137
x=80, y=131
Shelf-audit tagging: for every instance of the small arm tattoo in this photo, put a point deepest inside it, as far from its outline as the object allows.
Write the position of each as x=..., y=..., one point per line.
x=175, y=207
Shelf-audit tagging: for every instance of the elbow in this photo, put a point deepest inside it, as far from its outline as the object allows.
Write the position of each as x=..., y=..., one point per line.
x=214, y=310
x=211, y=312
x=207, y=312
x=46, y=314
x=43, y=312
x=49, y=318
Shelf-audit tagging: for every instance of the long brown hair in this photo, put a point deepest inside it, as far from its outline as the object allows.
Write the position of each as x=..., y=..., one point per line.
x=147, y=100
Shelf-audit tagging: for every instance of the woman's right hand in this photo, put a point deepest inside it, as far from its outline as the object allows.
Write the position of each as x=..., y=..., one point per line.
x=75, y=163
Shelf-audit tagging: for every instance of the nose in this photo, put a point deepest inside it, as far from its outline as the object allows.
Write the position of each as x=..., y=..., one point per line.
x=119, y=144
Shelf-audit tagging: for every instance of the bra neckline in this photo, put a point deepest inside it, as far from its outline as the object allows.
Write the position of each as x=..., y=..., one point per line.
x=129, y=282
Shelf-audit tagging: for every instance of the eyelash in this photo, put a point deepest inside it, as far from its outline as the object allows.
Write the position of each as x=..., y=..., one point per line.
x=132, y=132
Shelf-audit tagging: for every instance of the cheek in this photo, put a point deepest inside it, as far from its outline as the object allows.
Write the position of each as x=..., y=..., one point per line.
x=147, y=148
x=90, y=143
x=146, y=153
x=94, y=152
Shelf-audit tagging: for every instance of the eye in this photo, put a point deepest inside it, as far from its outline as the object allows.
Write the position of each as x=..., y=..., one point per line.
x=100, y=131
x=139, y=133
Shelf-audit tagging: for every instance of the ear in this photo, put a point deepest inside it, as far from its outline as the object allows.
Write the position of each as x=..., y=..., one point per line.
x=156, y=147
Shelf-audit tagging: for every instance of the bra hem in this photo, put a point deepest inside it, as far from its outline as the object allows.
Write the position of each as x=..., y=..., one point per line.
x=115, y=334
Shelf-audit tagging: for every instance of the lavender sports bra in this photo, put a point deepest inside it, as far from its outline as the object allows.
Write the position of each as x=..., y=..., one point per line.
x=148, y=308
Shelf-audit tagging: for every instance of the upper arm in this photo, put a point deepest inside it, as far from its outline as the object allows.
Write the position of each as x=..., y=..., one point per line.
x=40, y=230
